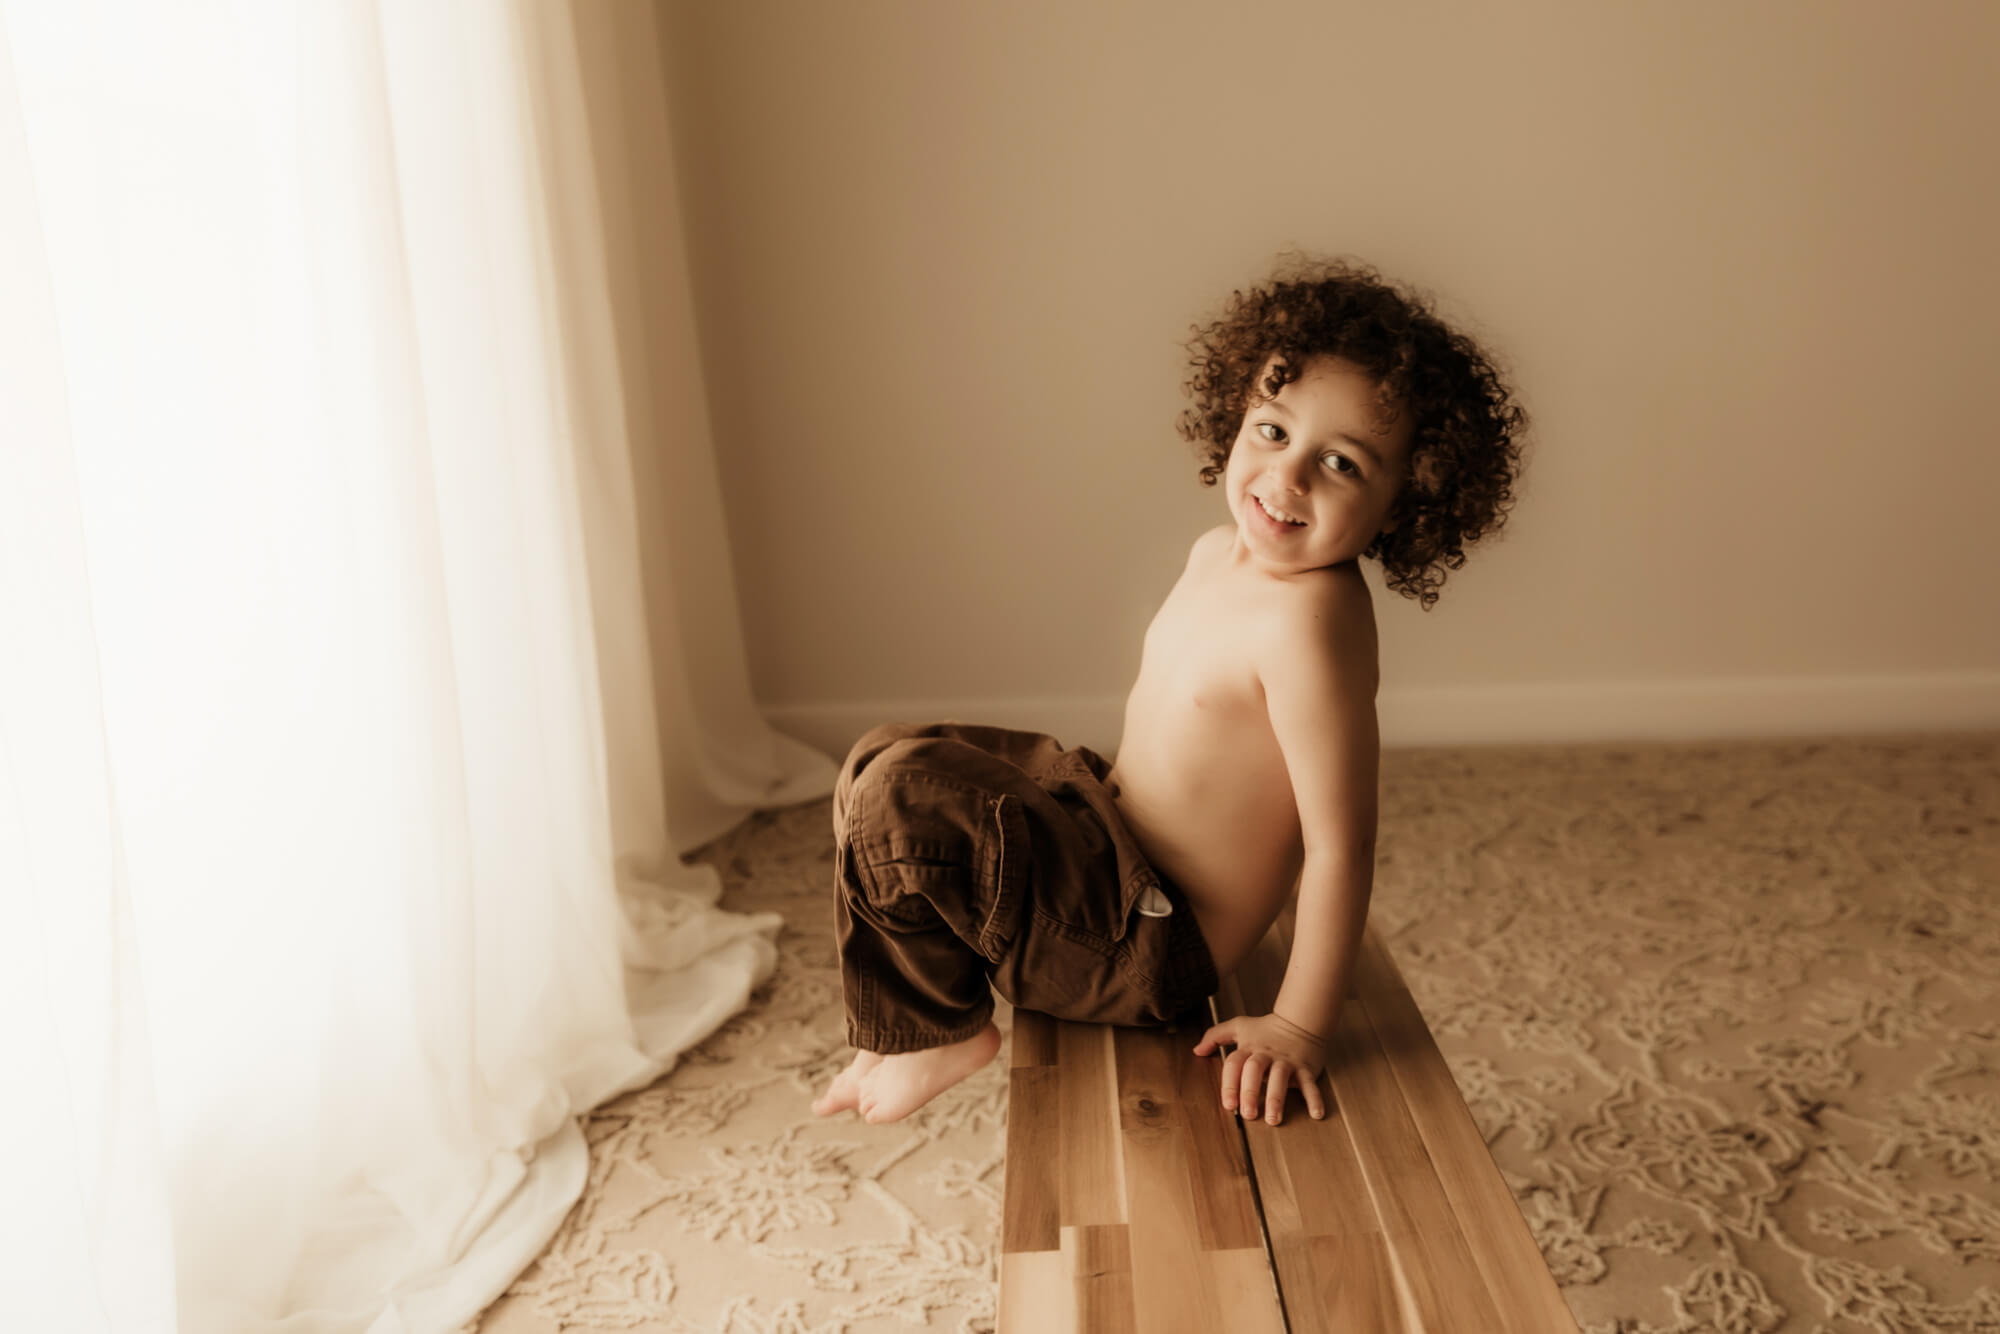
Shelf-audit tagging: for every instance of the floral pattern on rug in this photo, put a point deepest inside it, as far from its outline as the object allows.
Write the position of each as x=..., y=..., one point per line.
x=1725, y=1013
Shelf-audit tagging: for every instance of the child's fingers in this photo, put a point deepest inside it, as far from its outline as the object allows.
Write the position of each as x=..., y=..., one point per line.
x=1315, y=1100
x=1251, y=1096
x=1232, y=1074
x=1215, y=1037
x=1275, y=1089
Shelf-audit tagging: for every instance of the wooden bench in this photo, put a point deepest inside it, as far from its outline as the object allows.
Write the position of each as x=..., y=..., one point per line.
x=1133, y=1202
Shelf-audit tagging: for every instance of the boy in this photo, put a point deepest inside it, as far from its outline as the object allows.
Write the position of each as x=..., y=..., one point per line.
x=1345, y=420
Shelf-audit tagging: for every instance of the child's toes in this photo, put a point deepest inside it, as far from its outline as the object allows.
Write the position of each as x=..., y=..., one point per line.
x=839, y=1096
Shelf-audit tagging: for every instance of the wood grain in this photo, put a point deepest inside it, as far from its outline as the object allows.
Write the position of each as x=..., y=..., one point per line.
x=1034, y=1040
x=1099, y=1266
x=1132, y=1201
x=1125, y=1158
x=1029, y=1218
x=1328, y=1250
x=1491, y=1222
x=1091, y=1190
x=1035, y=1294
x=1435, y=1266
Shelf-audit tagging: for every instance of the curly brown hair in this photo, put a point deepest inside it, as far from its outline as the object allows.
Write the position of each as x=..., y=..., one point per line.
x=1466, y=436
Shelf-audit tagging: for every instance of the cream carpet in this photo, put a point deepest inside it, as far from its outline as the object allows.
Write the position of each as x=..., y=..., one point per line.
x=1726, y=1013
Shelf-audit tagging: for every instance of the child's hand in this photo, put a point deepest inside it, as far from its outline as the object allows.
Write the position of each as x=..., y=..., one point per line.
x=1271, y=1054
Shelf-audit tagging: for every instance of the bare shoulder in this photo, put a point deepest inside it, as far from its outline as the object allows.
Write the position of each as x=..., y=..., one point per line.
x=1212, y=542
x=1328, y=620
x=1316, y=662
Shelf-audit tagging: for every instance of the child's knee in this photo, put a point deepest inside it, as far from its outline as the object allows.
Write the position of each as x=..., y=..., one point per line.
x=862, y=763
x=878, y=736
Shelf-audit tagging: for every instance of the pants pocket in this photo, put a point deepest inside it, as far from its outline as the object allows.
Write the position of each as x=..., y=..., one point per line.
x=1003, y=865
x=1099, y=885
x=945, y=853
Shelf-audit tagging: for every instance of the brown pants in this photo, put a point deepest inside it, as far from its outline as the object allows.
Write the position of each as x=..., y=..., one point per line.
x=969, y=854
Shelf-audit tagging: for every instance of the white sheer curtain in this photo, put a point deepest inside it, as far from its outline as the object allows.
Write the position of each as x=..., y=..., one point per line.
x=337, y=873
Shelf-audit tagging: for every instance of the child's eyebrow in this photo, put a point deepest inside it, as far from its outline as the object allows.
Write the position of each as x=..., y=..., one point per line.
x=1362, y=445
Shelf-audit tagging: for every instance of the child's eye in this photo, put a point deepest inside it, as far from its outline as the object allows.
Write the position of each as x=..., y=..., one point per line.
x=1273, y=426
x=1339, y=459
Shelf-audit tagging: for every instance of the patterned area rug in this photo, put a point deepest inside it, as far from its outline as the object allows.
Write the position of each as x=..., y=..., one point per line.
x=1725, y=1012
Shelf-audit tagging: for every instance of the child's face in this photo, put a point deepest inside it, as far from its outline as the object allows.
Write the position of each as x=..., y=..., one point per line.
x=1314, y=453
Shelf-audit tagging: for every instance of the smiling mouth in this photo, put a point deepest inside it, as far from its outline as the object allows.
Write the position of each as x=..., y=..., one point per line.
x=1278, y=518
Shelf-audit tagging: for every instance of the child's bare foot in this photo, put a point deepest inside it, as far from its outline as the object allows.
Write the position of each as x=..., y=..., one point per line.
x=845, y=1091
x=900, y=1084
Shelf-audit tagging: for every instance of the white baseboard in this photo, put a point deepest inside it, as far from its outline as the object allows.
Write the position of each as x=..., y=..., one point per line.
x=1705, y=708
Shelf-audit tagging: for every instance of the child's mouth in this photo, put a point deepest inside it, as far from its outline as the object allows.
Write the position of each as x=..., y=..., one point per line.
x=1282, y=523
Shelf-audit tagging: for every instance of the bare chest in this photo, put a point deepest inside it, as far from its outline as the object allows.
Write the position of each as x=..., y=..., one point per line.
x=1197, y=669
x=1201, y=779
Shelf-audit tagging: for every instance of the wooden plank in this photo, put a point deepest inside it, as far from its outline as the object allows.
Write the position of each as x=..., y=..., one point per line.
x=1092, y=1188
x=1322, y=1156
x=1309, y=1179
x=1031, y=1191
x=1332, y=1220
x=1495, y=1231
x=1327, y=1250
x=1350, y=1286
x=1172, y=1285
x=1433, y=1263
x=1386, y=1217
x=1033, y=1041
x=1225, y=1204
x=1246, y=1291
x=1278, y=1207
x=1152, y=1207
x=1099, y=1264
x=1034, y=1298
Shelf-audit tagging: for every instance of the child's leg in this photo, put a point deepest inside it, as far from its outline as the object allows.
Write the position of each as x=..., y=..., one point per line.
x=928, y=895
x=919, y=1009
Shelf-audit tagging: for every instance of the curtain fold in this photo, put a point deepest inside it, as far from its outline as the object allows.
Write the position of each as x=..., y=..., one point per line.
x=339, y=872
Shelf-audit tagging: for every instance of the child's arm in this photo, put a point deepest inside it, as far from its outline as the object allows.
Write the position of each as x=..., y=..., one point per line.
x=1319, y=676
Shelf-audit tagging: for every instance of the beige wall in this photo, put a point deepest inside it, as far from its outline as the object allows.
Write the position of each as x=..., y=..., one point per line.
x=1737, y=258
